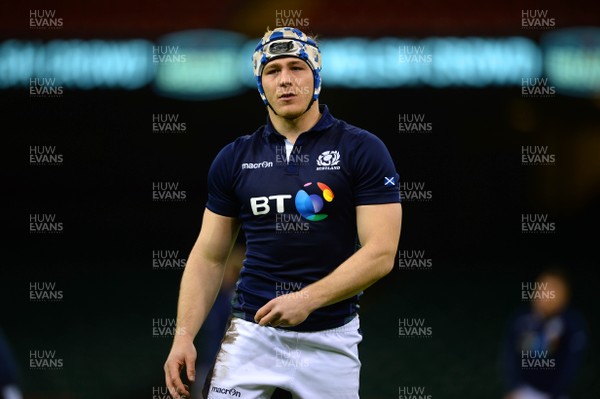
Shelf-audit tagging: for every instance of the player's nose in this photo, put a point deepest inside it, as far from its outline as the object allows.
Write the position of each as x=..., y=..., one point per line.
x=285, y=77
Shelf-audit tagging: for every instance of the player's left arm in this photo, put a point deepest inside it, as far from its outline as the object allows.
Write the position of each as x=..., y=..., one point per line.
x=379, y=228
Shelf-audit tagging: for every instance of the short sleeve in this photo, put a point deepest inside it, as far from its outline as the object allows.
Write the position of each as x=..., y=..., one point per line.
x=376, y=178
x=221, y=195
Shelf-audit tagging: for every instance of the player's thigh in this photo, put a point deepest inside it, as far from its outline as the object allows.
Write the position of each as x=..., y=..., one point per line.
x=243, y=366
x=329, y=366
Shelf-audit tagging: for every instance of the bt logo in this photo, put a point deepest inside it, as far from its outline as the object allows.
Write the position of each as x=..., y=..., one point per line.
x=308, y=201
x=309, y=205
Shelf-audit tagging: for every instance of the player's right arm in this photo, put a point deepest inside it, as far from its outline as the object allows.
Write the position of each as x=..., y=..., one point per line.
x=198, y=290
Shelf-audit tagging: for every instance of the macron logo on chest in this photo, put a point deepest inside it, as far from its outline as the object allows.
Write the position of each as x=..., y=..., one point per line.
x=257, y=165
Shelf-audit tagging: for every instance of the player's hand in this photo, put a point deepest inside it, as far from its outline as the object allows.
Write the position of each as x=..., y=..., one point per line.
x=284, y=311
x=182, y=355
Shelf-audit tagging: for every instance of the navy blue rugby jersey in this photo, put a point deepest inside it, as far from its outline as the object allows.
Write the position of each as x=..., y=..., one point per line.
x=298, y=215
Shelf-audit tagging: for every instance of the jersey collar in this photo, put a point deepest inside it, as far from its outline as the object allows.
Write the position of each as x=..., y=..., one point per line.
x=324, y=123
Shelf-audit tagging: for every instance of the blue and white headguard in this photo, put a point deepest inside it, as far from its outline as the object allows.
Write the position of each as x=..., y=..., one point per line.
x=287, y=42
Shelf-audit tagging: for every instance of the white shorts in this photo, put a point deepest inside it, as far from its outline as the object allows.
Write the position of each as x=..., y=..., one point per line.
x=253, y=361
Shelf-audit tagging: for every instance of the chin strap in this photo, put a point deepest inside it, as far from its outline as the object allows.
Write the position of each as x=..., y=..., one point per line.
x=309, y=105
x=272, y=109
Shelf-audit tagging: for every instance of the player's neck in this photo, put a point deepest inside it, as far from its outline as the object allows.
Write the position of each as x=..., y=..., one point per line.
x=292, y=128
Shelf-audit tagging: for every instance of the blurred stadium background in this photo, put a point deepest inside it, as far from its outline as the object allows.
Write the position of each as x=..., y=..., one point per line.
x=487, y=83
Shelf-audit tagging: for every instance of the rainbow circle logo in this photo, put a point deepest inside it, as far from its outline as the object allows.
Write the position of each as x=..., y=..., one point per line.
x=309, y=200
